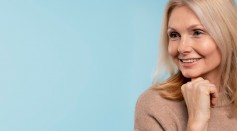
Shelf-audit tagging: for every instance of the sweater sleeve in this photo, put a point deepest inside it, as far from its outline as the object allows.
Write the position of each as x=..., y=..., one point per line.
x=144, y=119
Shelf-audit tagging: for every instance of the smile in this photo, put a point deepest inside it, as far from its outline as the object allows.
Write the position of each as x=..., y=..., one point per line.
x=189, y=60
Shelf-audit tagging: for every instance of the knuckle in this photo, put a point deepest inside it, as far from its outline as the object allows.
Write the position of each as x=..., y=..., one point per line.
x=189, y=83
x=203, y=89
x=183, y=88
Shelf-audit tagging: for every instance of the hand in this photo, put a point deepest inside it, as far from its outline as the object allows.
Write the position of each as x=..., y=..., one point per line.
x=199, y=95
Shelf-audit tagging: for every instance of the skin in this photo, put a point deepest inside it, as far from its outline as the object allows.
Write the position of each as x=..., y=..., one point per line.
x=197, y=56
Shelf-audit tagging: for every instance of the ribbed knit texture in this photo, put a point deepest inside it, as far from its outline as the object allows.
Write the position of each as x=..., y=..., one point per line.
x=154, y=113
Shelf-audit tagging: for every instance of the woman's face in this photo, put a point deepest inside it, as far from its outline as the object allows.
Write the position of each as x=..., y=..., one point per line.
x=191, y=47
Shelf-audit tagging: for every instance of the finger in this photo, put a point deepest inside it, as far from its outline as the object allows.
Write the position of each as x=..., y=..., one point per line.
x=213, y=96
x=202, y=83
x=213, y=91
x=195, y=79
x=213, y=101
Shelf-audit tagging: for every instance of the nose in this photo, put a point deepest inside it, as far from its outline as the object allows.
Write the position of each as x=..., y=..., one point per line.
x=185, y=46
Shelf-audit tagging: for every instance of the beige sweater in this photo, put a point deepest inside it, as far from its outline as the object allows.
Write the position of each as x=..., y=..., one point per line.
x=154, y=113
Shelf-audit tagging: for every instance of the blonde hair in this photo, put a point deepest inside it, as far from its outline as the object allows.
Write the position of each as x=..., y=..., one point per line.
x=219, y=17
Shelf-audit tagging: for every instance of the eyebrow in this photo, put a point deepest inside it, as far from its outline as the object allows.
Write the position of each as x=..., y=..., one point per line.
x=190, y=27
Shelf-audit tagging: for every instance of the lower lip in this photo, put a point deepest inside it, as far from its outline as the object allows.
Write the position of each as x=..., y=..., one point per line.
x=188, y=64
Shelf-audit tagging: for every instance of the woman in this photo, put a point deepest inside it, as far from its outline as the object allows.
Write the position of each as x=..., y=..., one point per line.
x=199, y=39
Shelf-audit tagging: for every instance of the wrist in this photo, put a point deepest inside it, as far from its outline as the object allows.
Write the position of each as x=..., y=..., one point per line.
x=197, y=125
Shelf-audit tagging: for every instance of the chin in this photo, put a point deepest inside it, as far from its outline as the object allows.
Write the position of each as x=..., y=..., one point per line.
x=190, y=75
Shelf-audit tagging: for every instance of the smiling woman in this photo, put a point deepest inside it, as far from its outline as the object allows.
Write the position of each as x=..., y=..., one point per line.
x=193, y=50
x=200, y=50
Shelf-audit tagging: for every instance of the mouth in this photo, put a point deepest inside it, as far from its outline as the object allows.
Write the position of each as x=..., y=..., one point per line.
x=190, y=60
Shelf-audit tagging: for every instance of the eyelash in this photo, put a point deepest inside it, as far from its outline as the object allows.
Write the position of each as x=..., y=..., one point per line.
x=174, y=35
x=197, y=31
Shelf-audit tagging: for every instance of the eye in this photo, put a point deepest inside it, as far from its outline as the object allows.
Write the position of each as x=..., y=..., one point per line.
x=197, y=32
x=174, y=35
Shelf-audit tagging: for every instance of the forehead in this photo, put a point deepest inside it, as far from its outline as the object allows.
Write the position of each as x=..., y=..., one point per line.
x=183, y=16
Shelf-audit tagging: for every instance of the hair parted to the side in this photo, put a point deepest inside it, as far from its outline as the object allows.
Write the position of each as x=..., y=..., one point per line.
x=219, y=18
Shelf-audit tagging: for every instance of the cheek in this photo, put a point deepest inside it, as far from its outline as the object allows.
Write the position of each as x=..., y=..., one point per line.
x=173, y=50
x=208, y=48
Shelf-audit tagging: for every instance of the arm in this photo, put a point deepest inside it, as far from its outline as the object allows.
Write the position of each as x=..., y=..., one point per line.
x=147, y=123
x=144, y=118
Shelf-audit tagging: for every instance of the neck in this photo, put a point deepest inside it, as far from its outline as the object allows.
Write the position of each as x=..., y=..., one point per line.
x=215, y=79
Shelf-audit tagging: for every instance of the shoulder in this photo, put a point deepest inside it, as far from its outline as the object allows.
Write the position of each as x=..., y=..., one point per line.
x=151, y=106
x=151, y=99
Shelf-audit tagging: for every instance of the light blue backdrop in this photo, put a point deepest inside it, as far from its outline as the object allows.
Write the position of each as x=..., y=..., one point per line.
x=75, y=65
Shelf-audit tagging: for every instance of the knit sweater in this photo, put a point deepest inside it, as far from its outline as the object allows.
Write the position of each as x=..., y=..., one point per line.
x=155, y=113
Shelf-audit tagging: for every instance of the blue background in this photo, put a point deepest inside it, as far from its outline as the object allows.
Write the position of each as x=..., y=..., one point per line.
x=75, y=65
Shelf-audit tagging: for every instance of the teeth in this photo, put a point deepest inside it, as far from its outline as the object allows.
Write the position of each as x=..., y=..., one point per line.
x=190, y=60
